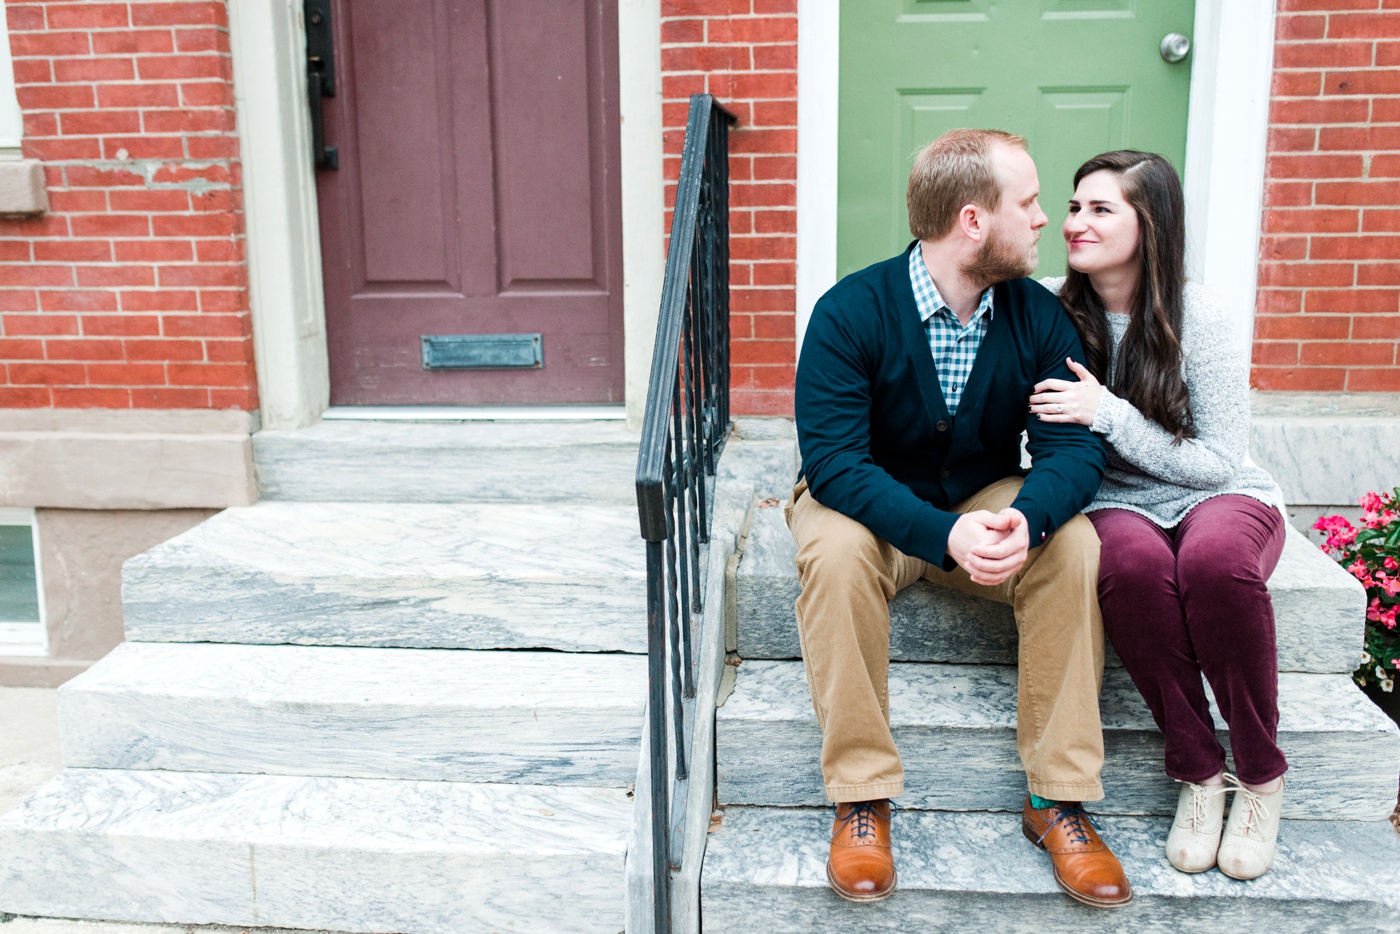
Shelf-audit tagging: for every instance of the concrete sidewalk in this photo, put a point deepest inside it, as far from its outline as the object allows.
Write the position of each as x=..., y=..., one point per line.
x=30, y=756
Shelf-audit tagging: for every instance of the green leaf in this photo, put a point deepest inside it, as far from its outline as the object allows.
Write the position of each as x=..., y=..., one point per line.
x=1392, y=541
x=1366, y=535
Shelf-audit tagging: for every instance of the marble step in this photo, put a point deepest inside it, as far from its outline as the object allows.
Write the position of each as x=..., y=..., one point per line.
x=955, y=726
x=765, y=871
x=432, y=714
x=409, y=575
x=421, y=462
x=332, y=853
x=1319, y=608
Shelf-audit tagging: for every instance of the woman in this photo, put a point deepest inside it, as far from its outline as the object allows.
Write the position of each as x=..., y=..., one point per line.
x=1189, y=532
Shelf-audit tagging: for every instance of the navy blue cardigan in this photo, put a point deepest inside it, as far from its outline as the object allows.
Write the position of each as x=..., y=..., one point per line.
x=876, y=438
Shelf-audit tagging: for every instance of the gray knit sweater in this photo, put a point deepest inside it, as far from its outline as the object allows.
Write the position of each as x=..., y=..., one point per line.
x=1149, y=475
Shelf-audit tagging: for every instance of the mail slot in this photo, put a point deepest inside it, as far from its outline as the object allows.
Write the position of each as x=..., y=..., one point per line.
x=482, y=351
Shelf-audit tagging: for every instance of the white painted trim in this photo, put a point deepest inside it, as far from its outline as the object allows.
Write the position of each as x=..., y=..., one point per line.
x=279, y=195
x=643, y=191
x=26, y=638
x=1226, y=148
x=1234, y=48
x=11, y=120
x=473, y=413
x=818, y=93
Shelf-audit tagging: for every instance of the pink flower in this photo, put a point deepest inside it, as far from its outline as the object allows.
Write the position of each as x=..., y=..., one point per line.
x=1373, y=612
x=1392, y=587
x=1340, y=532
x=1371, y=502
x=1358, y=569
x=1390, y=563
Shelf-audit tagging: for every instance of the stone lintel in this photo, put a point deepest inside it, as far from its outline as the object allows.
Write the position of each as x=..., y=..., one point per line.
x=18, y=671
x=126, y=459
x=1326, y=449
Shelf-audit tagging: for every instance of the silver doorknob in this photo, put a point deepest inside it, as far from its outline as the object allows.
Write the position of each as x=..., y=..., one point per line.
x=1175, y=47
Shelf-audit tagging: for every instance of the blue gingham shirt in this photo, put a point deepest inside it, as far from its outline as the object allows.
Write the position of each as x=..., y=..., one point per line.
x=954, y=346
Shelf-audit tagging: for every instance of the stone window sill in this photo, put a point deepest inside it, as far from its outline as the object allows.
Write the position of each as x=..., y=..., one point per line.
x=22, y=188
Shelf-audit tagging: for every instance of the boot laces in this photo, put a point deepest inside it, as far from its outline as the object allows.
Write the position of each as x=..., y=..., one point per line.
x=863, y=814
x=1257, y=809
x=1074, y=817
x=1200, y=794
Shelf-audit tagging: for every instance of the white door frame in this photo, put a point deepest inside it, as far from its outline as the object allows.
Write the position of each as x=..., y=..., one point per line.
x=268, y=42
x=283, y=229
x=1234, y=48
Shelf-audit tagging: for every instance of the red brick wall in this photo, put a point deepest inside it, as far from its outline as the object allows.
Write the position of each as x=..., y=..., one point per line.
x=131, y=291
x=745, y=53
x=1328, y=315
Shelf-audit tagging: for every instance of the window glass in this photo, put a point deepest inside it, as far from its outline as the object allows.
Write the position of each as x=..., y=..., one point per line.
x=19, y=589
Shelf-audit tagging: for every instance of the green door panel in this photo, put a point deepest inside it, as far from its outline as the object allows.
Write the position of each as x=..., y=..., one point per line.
x=1075, y=77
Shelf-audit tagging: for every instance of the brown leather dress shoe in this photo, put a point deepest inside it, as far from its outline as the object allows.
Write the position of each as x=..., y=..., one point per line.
x=1085, y=869
x=861, y=865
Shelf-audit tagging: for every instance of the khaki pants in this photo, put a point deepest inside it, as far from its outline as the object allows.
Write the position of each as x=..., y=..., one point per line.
x=849, y=577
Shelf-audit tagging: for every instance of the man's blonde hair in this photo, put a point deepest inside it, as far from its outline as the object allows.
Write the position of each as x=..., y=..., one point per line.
x=952, y=171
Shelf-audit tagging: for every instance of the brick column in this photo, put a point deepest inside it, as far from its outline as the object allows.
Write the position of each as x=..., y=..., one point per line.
x=745, y=53
x=1328, y=315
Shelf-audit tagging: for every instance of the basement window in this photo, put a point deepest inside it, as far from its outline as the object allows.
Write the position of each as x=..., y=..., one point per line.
x=21, y=596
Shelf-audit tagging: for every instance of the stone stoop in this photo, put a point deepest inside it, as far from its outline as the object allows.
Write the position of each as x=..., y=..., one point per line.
x=765, y=871
x=962, y=860
x=956, y=730
x=1319, y=610
x=469, y=462
x=425, y=714
x=568, y=577
x=336, y=853
x=404, y=693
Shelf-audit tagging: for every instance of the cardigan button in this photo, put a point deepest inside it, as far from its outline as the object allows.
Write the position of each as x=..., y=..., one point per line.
x=947, y=474
x=942, y=426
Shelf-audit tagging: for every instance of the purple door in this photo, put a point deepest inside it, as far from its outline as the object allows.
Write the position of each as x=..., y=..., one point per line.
x=471, y=236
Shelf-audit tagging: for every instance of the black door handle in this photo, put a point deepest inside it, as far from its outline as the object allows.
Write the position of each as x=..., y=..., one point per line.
x=320, y=78
x=326, y=157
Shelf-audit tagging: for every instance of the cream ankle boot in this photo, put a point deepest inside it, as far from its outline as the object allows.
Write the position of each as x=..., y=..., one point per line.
x=1195, y=834
x=1251, y=834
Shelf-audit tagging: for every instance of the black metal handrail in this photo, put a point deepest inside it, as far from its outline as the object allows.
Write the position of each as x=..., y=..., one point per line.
x=686, y=422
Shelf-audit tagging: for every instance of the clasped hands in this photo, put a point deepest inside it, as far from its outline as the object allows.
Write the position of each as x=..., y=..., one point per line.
x=990, y=546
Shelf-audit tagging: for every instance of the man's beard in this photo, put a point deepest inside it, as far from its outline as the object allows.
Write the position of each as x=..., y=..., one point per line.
x=997, y=260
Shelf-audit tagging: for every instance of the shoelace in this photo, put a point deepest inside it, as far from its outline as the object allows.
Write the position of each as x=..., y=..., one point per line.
x=1258, y=810
x=863, y=813
x=1074, y=817
x=1199, y=797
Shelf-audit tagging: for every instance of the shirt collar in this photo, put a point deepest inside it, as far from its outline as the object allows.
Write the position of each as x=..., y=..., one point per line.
x=926, y=295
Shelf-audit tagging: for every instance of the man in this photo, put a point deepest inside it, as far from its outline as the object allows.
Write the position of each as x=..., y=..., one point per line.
x=912, y=392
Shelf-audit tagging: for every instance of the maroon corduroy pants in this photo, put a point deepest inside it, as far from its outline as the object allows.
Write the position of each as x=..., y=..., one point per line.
x=1179, y=603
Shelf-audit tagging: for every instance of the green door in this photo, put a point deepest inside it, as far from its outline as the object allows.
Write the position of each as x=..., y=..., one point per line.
x=1075, y=77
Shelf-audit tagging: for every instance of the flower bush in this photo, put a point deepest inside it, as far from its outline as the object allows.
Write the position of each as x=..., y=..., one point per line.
x=1371, y=554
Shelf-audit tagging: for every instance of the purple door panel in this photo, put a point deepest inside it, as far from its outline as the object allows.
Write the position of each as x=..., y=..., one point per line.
x=478, y=193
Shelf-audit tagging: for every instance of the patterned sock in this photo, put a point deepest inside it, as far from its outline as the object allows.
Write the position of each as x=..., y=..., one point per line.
x=1040, y=803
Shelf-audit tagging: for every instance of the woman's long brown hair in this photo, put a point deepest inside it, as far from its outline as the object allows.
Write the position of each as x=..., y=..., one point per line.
x=1148, y=374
